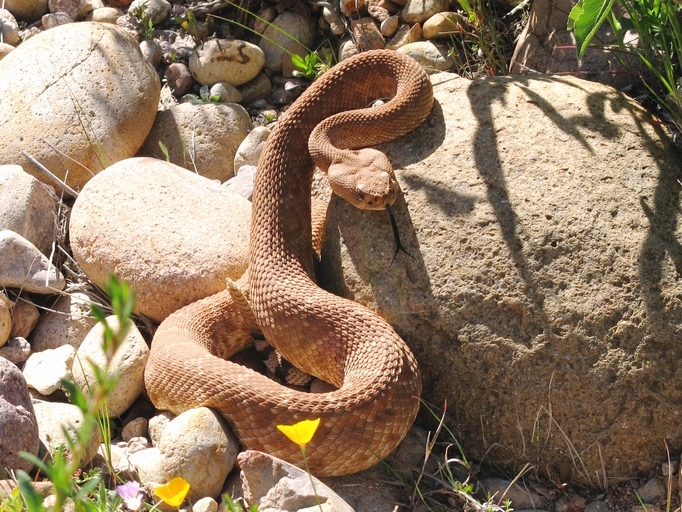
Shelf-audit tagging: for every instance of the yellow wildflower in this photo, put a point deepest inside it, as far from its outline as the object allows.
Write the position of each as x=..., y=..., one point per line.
x=174, y=492
x=302, y=432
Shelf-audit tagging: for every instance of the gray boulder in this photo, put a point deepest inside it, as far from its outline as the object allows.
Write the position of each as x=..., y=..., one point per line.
x=542, y=298
x=18, y=424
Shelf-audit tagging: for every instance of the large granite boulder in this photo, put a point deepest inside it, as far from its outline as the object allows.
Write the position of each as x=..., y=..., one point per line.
x=543, y=297
x=77, y=98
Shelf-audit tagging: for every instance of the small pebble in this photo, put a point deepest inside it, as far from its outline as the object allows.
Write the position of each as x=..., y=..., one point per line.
x=151, y=51
x=179, y=79
x=55, y=19
x=205, y=505
x=137, y=444
x=651, y=491
x=226, y=93
x=16, y=350
x=9, y=27
x=670, y=468
x=68, y=7
x=136, y=428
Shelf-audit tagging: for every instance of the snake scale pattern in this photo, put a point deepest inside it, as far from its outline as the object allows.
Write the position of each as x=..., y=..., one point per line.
x=332, y=338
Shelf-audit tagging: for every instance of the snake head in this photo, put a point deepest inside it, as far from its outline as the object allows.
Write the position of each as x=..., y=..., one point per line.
x=364, y=178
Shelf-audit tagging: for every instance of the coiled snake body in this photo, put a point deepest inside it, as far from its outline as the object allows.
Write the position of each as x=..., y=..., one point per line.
x=332, y=338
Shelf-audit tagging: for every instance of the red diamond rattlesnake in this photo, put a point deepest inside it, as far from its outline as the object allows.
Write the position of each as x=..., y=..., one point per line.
x=332, y=338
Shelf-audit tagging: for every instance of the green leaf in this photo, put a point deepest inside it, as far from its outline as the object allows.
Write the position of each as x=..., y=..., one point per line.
x=97, y=312
x=87, y=487
x=35, y=461
x=32, y=498
x=585, y=19
x=164, y=150
x=298, y=61
x=77, y=397
x=464, y=4
x=574, y=15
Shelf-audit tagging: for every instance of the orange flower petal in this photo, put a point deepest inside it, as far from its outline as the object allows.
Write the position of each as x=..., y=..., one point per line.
x=302, y=432
x=174, y=492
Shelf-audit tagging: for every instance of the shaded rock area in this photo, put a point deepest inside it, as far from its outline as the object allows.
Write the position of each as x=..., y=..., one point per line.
x=542, y=298
x=27, y=207
x=546, y=46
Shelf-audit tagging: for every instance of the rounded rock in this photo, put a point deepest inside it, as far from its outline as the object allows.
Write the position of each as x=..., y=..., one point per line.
x=156, y=10
x=5, y=319
x=157, y=424
x=147, y=464
x=62, y=80
x=335, y=21
x=170, y=254
x=25, y=316
x=56, y=19
x=151, y=51
x=203, y=138
x=431, y=57
x=28, y=207
x=226, y=93
x=128, y=363
x=9, y=29
x=199, y=446
x=179, y=78
x=26, y=10
x=5, y=50
x=224, y=60
x=23, y=266
x=390, y=26
x=56, y=420
x=292, y=26
x=104, y=15
x=45, y=370
x=251, y=147
x=18, y=423
x=205, y=505
x=135, y=428
x=67, y=323
x=256, y=89
x=443, y=25
x=418, y=11
x=16, y=350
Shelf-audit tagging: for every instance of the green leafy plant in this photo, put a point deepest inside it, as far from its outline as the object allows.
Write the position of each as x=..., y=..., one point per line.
x=233, y=506
x=86, y=492
x=657, y=25
x=314, y=64
x=145, y=25
x=195, y=28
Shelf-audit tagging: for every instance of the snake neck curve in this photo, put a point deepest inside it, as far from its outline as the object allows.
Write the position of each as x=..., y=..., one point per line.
x=281, y=247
